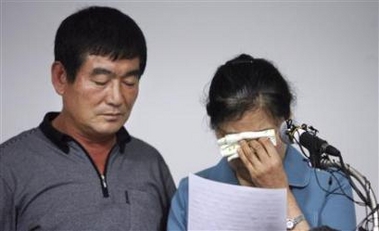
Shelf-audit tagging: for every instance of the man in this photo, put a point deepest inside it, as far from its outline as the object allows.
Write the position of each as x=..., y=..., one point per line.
x=80, y=169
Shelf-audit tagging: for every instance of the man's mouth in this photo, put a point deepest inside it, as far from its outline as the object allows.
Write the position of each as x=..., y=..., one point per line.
x=112, y=116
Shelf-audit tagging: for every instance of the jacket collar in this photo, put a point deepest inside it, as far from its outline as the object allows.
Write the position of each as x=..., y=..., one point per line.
x=61, y=140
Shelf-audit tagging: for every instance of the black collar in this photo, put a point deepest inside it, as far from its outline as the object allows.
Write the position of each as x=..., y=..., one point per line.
x=61, y=140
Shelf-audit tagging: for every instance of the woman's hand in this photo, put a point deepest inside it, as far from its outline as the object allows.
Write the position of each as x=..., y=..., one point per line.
x=263, y=163
x=266, y=170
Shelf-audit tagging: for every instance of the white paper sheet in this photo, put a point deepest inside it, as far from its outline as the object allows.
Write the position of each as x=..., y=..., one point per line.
x=219, y=206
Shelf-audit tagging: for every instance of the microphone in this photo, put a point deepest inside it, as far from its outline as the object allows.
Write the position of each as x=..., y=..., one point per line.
x=289, y=133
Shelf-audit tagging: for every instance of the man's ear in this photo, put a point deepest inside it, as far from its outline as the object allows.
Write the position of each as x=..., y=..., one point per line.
x=59, y=77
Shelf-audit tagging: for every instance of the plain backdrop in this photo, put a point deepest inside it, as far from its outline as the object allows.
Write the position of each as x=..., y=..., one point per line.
x=328, y=51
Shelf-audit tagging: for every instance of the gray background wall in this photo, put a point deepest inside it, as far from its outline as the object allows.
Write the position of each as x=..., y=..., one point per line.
x=327, y=50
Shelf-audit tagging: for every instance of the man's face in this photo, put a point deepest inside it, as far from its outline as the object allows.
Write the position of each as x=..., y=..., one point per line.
x=101, y=98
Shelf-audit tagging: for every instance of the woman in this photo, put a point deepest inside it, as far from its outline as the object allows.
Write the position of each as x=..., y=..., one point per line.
x=248, y=94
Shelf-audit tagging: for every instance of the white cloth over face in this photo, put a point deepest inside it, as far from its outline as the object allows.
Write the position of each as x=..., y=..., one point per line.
x=229, y=144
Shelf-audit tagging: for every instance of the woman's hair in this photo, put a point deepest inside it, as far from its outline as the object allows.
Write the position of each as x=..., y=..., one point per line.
x=243, y=84
x=98, y=30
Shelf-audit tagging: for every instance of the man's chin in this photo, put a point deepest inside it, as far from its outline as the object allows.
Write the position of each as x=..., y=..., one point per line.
x=108, y=130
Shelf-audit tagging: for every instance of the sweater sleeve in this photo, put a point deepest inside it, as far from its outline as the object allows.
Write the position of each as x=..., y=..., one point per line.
x=168, y=191
x=7, y=208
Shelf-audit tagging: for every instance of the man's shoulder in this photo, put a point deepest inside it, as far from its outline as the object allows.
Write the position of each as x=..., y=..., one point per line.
x=139, y=143
x=16, y=151
x=20, y=141
x=142, y=149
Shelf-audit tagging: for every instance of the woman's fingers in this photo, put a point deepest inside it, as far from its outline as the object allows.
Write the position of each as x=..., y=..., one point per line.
x=262, y=162
x=246, y=155
x=260, y=150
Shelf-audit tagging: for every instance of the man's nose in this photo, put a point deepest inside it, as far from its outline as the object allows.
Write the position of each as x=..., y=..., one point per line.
x=114, y=95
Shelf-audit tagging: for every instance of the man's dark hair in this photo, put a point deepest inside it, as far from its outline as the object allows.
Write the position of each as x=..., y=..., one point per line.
x=100, y=31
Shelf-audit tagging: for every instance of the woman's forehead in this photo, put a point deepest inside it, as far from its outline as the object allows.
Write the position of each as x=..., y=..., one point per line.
x=254, y=120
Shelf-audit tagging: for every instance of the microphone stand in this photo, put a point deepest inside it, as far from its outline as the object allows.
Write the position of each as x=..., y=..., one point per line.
x=370, y=200
x=321, y=160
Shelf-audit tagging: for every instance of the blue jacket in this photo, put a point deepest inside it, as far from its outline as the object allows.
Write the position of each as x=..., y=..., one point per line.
x=311, y=187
